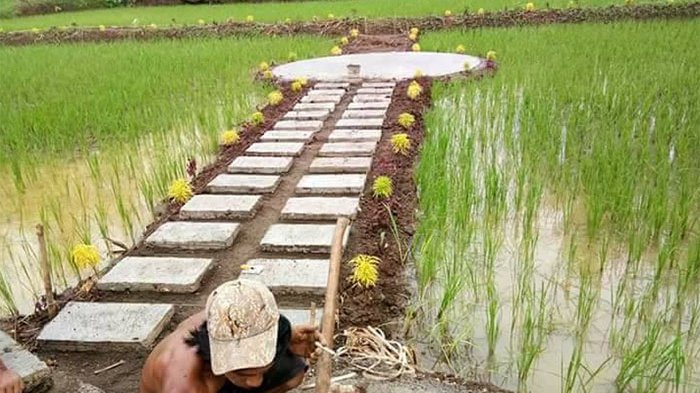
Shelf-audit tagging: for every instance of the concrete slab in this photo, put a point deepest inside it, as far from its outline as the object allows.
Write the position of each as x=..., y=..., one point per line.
x=364, y=113
x=320, y=208
x=194, y=235
x=332, y=85
x=371, y=98
x=376, y=90
x=331, y=184
x=220, y=207
x=286, y=136
x=156, y=274
x=369, y=105
x=360, y=123
x=317, y=99
x=302, y=317
x=326, y=92
x=301, y=125
x=275, y=149
x=311, y=238
x=261, y=165
x=243, y=184
x=347, y=149
x=312, y=106
x=34, y=372
x=341, y=165
x=380, y=66
x=307, y=115
x=105, y=327
x=290, y=276
x=355, y=136
x=379, y=85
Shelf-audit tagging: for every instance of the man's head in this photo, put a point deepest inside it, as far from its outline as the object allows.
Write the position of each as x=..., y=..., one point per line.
x=242, y=320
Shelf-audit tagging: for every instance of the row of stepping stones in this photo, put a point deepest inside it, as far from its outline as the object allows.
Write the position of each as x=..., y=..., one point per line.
x=330, y=188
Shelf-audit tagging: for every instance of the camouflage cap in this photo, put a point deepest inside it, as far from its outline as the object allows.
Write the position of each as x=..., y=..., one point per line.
x=242, y=318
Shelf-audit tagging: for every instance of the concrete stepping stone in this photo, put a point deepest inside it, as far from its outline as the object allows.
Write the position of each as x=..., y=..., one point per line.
x=194, y=235
x=371, y=98
x=290, y=276
x=369, y=105
x=320, y=208
x=351, y=149
x=332, y=85
x=220, y=207
x=301, y=317
x=317, y=99
x=375, y=90
x=364, y=113
x=331, y=184
x=379, y=85
x=301, y=125
x=310, y=238
x=246, y=184
x=355, y=136
x=326, y=92
x=261, y=165
x=313, y=106
x=157, y=274
x=360, y=123
x=307, y=115
x=34, y=372
x=275, y=149
x=286, y=136
x=341, y=165
x=105, y=327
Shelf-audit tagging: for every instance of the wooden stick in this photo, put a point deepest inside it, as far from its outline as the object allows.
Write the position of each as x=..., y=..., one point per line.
x=312, y=314
x=46, y=272
x=115, y=365
x=323, y=368
x=333, y=380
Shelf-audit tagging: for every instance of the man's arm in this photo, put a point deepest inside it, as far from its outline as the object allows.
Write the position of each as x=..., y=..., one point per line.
x=10, y=382
x=303, y=340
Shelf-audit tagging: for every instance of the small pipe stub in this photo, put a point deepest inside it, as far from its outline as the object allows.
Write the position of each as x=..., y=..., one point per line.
x=354, y=69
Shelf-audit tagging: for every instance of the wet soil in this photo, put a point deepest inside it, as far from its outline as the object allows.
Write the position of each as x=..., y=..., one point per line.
x=336, y=28
x=378, y=43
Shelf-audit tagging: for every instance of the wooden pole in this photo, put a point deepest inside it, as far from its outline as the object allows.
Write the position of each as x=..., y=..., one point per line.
x=46, y=271
x=323, y=367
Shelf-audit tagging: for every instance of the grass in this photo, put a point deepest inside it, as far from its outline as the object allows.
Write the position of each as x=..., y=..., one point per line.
x=275, y=12
x=581, y=153
x=93, y=135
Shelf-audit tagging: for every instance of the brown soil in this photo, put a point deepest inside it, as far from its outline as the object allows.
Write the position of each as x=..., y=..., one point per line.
x=506, y=18
x=379, y=43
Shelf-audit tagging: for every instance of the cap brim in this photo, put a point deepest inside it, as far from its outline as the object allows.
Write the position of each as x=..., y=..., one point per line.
x=251, y=352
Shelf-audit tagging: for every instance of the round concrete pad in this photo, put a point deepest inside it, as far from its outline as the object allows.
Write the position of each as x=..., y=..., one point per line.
x=388, y=65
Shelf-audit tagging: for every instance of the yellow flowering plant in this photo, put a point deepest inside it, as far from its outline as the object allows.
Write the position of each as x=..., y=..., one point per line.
x=448, y=13
x=336, y=51
x=264, y=66
x=460, y=49
x=491, y=55
x=85, y=255
x=354, y=33
x=296, y=86
x=229, y=137
x=180, y=191
x=344, y=41
x=406, y=120
x=414, y=90
x=257, y=118
x=365, y=272
x=401, y=143
x=250, y=19
x=201, y=22
x=529, y=7
x=268, y=75
x=382, y=187
x=415, y=47
x=275, y=97
x=413, y=37
x=480, y=11
x=414, y=30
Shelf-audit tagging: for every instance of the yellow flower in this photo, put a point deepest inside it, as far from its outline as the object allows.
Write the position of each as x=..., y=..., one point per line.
x=275, y=97
x=529, y=7
x=1, y=30
x=418, y=74
x=480, y=11
x=401, y=143
x=382, y=187
x=629, y=2
x=354, y=33
x=201, y=21
x=35, y=30
x=267, y=75
x=102, y=27
x=331, y=16
x=85, y=255
x=288, y=20
x=335, y=51
x=344, y=41
x=263, y=66
x=257, y=118
x=249, y=19
x=229, y=137
x=414, y=30
x=406, y=120
x=364, y=270
x=414, y=90
x=153, y=26
x=491, y=55
x=448, y=13
x=296, y=86
x=303, y=81
x=415, y=47
x=180, y=191
x=412, y=37
x=460, y=49
x=292, y=56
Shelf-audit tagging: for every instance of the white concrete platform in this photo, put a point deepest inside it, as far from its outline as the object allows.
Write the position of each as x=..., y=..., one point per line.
x=379, y=85
x=298, y=316
x=286, y=136
x=382, y=66
x=220, y=207
x=355, y=136
x=360, y=123
x=320, y=208
x=261, y=165
x=290, y=276
x=313, y=106
x=341, y=165
x=370, y=105
x=301, y=125
x=105, y=327
x=317, y=99
x=34, y=373
x=347, y=149
x=156, y=274
x=275, y=149
x=364, y=113
x=326, y=92
x=376, y=90
x=243, y=184
x=371, y=98
x=310, y=238
x=331, y=184
x=194, y=235
x=332, y=85
x=307, y=115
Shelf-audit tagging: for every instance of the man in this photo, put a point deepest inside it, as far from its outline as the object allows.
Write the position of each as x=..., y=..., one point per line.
x=239, y=343
x=10, y=382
